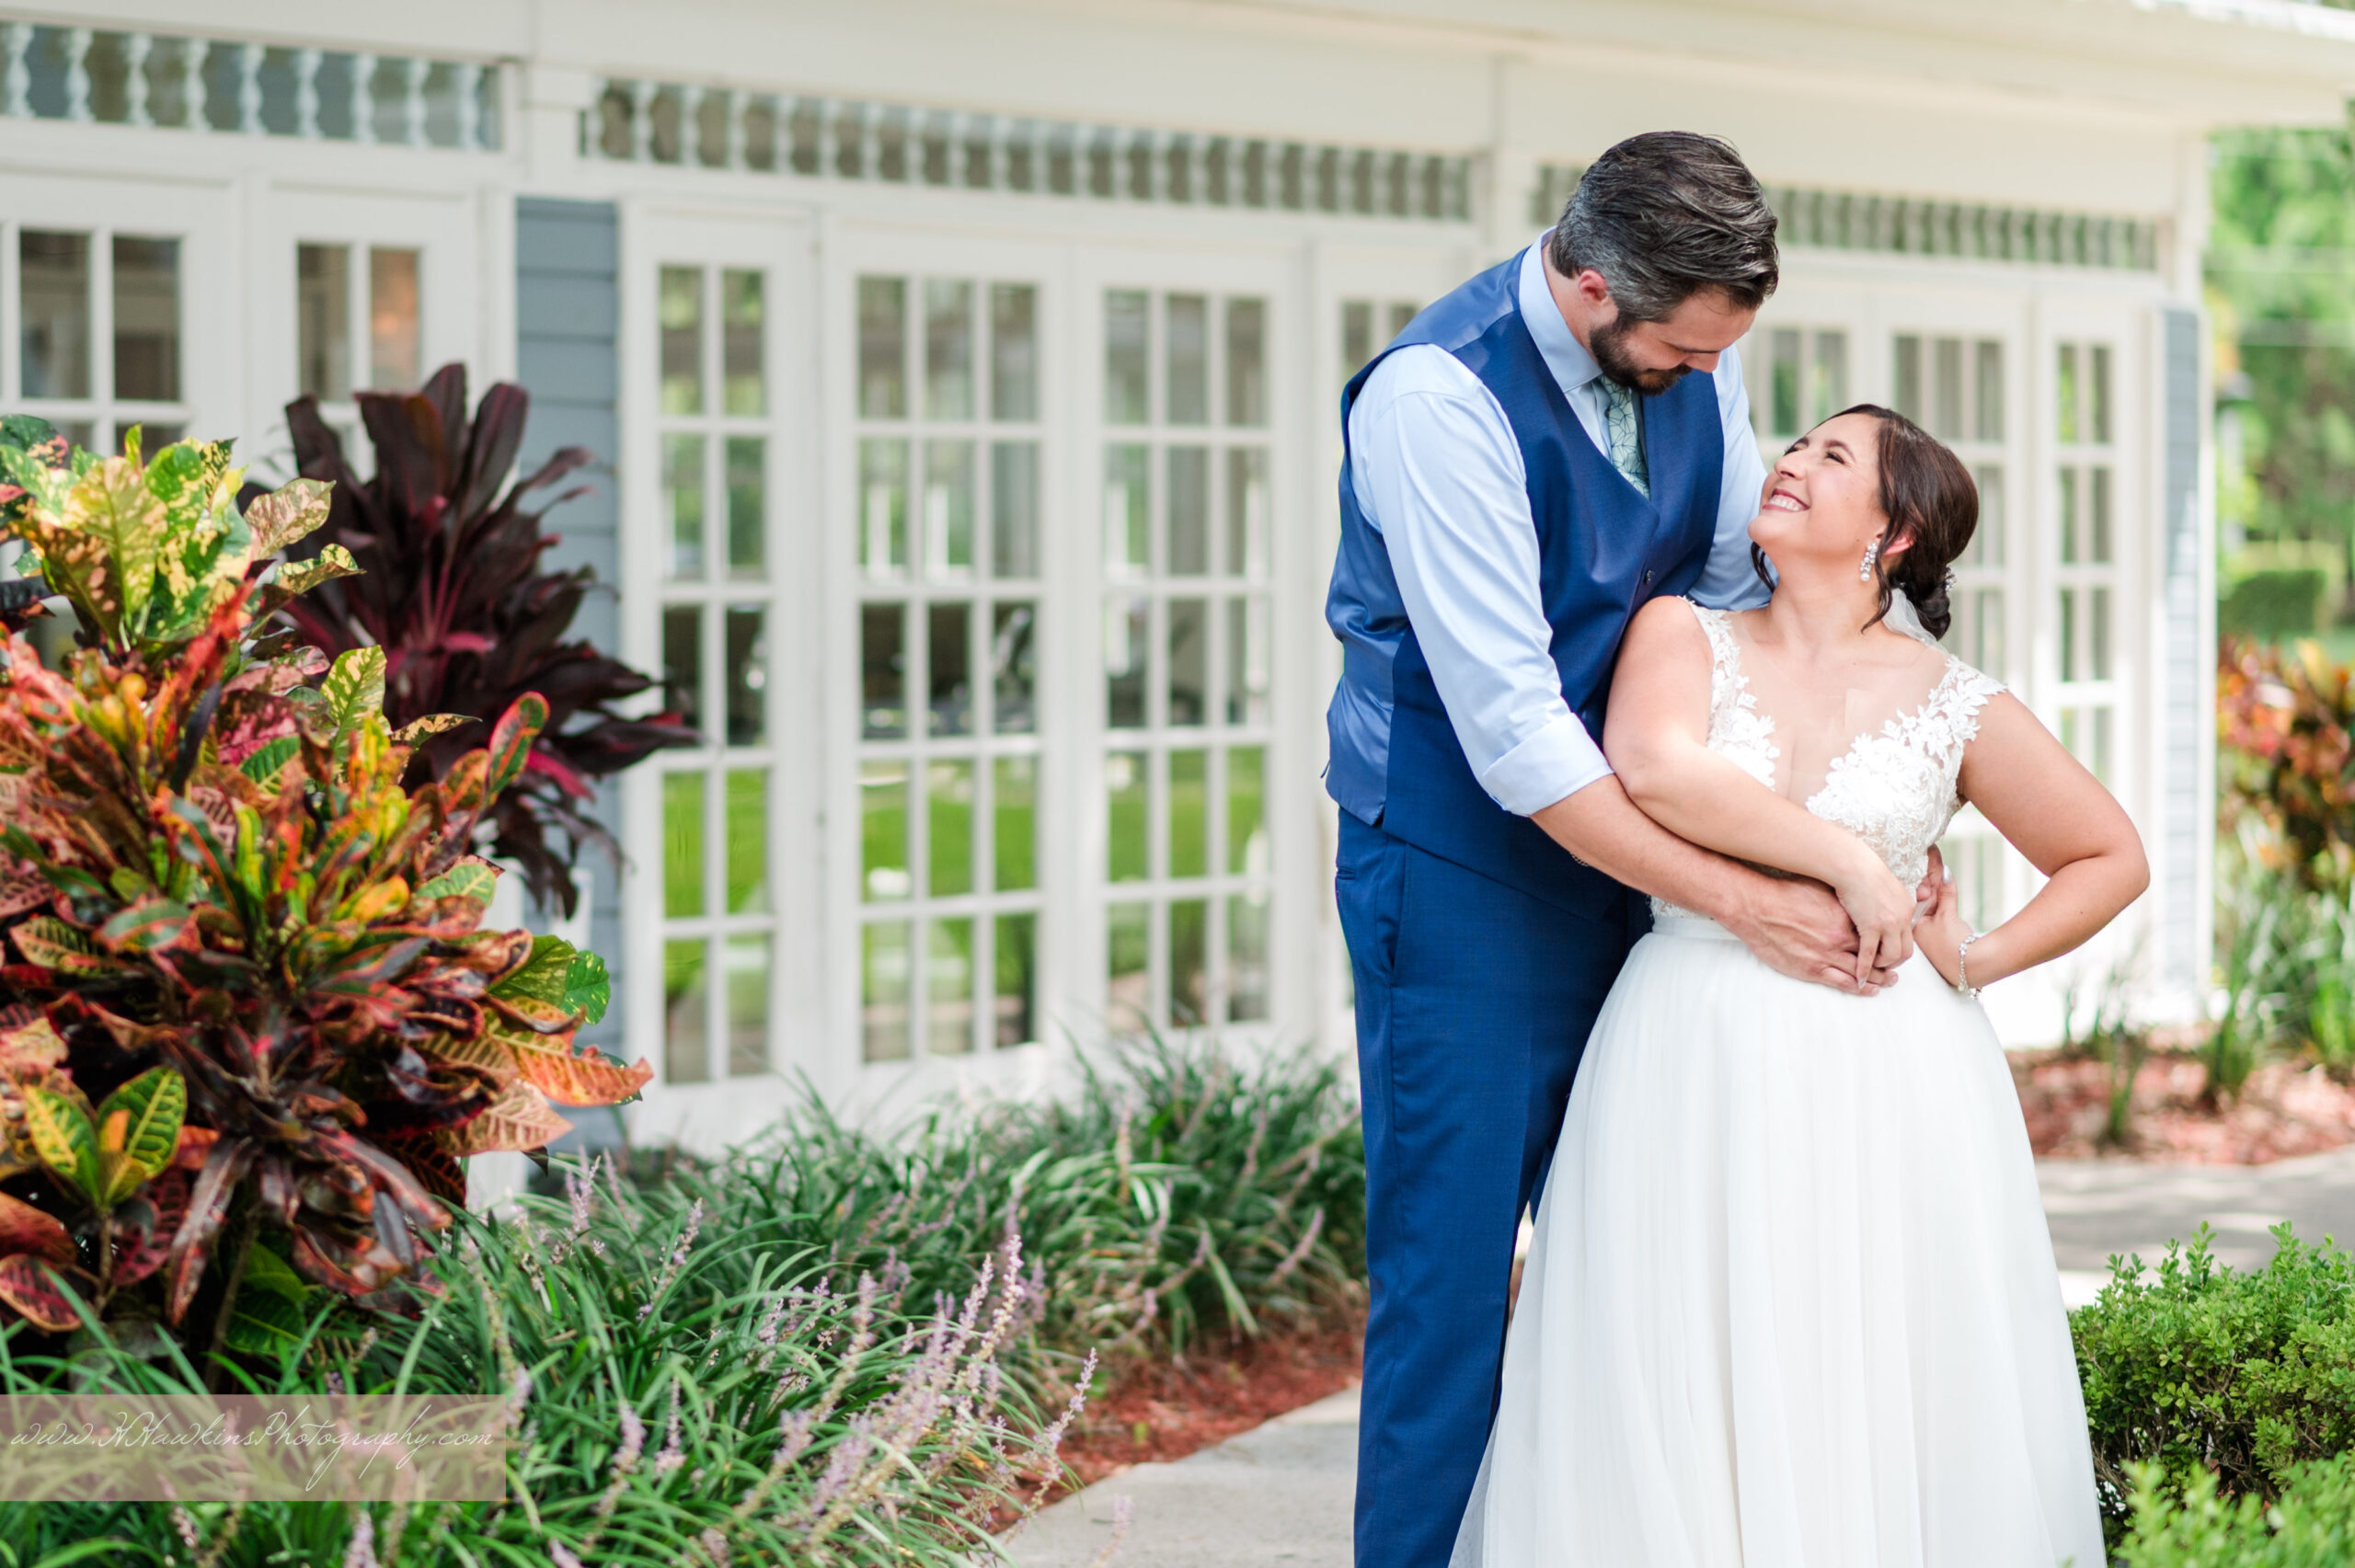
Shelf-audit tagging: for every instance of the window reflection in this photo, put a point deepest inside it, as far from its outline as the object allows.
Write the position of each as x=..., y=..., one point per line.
x=882, y=347
x=395, y=340
x=1014, y=351
x=53, y=283
x=680, y=312
x=952, y=690
x=883, y=664
x=682, y=662
x=1014, y=509
x=748, y=676
x=147, y=319
x=743, y=386
x=1014, y=667
x=323, y=321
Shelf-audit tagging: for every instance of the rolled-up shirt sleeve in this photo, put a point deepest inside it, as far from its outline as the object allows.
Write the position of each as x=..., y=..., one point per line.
x=1438, y=474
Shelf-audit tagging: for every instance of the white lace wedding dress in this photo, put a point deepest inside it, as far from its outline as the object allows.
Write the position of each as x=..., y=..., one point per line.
x=1791, y=1301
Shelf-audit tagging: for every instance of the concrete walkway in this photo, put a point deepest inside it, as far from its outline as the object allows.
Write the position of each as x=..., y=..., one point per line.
x=1281, y=1494
x=2100, y=1206
x=1277, y=1494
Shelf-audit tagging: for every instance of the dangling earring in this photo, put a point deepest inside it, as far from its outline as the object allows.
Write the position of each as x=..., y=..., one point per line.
x=1872, y=553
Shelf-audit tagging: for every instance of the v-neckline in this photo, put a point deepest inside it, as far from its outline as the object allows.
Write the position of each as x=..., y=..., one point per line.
x=1766, y=721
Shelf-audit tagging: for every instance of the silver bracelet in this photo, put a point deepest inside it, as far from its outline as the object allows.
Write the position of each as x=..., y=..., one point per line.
x=1962, y=965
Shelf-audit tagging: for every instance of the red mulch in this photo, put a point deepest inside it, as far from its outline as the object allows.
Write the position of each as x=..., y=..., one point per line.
x=1162, y=1411
x=2286, y=1109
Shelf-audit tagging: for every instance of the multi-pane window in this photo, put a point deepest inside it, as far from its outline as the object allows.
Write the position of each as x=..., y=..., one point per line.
x=2086, y=633
x=1799, y=377
x=1186, y=521
x=1954, y=388
x=714, y=444
x=97, y=335
x=357, y=325
x=949, y=544
x=1361, y=319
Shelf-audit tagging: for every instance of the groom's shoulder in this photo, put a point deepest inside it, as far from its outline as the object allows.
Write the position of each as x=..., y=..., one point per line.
x=1420, y=371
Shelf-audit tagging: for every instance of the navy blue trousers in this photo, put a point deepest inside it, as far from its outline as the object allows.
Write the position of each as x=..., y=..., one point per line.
x=1474, y=1002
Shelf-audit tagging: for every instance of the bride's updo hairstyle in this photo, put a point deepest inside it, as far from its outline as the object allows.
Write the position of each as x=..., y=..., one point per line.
x=1929, y=496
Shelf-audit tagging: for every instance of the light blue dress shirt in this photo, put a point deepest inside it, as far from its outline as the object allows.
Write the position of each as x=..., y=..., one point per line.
x=1438, y=474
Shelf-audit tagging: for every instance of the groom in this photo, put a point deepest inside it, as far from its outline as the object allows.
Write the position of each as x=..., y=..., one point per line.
x=1527, y=464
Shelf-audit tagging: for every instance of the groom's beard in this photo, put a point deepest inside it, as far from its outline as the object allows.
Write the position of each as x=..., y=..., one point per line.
x=1608, y=345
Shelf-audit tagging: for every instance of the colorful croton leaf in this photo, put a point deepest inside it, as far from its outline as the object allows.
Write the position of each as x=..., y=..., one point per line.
x=245, y=969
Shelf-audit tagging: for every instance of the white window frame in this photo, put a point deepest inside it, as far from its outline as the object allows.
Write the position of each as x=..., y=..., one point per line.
x=453, y=323
x=1288, y=803
x=206, y=372
x=719, y=1109
x=879, y=247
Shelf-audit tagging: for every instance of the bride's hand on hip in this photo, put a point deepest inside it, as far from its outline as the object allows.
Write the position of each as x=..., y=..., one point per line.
x=1883, y=909
x=1798, y=928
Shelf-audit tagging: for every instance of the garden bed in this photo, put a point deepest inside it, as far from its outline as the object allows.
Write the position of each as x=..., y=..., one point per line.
x=1164, y=1411
x=2287, y=1108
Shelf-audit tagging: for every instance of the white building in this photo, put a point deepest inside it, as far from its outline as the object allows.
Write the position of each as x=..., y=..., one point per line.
x=967, y=374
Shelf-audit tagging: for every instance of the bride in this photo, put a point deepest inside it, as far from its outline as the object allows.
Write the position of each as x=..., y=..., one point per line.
x=1791, y=1302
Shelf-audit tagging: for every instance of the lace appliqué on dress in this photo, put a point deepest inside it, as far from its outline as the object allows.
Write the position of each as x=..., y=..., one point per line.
x=1738, y=731
x=1893, y=787
x=1896, y=789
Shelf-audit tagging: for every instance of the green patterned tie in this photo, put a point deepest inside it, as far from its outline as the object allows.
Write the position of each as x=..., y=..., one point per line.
x=1623, y=422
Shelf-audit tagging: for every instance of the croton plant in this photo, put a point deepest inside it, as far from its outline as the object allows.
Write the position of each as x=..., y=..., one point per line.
x=248, y=1003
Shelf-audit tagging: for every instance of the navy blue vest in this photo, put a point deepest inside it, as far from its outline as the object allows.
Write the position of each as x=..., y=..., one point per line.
x=1604, y=549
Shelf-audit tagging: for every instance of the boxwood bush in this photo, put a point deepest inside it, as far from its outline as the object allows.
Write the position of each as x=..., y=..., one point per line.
x=2310, y=1526
x=2196, y=1370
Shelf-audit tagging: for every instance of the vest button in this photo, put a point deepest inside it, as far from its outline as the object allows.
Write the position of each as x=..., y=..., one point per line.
x=1647, y=579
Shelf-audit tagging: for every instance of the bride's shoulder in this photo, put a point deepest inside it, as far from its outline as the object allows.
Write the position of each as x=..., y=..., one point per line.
x=1669, y=633
x=1670, y=617
x=1969, y=684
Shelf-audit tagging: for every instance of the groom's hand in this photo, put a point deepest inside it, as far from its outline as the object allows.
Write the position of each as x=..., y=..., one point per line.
x=1926, y=896
x=1798, y=928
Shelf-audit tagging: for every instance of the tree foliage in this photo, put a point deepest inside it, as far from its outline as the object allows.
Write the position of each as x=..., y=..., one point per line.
x=2281, y=286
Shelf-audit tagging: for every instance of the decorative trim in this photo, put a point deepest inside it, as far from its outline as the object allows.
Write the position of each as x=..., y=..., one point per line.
x=242, y=88
x=819, y=138
x=1900, y=226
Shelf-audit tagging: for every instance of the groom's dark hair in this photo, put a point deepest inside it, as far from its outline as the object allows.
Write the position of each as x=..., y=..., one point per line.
x=1665, y=216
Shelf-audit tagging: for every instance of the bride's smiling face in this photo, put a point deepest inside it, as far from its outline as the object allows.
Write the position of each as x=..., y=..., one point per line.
x=1821, y=506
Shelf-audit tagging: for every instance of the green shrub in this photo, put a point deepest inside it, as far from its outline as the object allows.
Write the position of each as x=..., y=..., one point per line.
x=2311, y=1525
x=2281, y=602
x=2199, y=1368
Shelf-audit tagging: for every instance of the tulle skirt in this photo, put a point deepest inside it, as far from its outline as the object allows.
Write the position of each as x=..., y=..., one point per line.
x=1791, y=1301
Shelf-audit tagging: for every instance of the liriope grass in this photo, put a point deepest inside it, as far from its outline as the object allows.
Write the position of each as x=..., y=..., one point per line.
x=1180, y=1193
x=679, y=1396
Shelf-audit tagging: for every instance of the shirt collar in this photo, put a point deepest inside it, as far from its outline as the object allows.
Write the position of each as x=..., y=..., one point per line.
x=1572, y=366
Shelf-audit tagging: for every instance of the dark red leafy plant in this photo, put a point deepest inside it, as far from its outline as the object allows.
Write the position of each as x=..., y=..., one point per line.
x=451, y=588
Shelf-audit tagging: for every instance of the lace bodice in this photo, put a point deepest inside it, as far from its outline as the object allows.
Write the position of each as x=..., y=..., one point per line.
x=1893, y=787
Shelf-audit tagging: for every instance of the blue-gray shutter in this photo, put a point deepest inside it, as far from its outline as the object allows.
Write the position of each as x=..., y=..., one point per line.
x=2186, y=790
x=568, y=329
